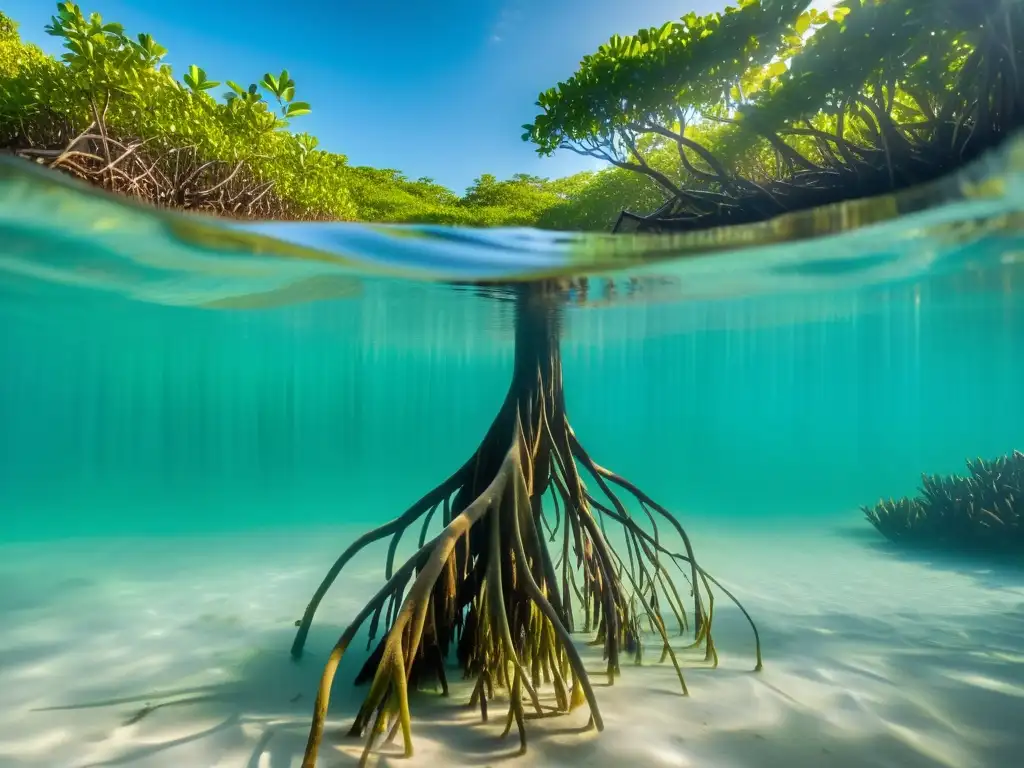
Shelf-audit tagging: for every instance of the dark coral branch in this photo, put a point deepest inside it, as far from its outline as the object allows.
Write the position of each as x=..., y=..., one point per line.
x=983, y=510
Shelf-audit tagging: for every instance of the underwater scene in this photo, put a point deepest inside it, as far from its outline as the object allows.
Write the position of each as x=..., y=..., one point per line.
x=303, y=463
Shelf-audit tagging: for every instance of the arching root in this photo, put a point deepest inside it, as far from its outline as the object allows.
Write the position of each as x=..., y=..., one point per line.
x=488, y=584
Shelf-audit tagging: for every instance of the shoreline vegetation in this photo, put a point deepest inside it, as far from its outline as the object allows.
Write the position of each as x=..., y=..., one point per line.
x=734, y=117
x=774, y=107
x=111, y=113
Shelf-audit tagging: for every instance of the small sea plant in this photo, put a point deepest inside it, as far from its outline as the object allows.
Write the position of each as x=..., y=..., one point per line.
x=983, y=510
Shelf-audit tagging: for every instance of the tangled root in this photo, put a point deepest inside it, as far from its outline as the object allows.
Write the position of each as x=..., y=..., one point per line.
x=487, y=582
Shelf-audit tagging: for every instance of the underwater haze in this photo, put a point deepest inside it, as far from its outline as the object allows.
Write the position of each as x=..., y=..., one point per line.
x=196, y=418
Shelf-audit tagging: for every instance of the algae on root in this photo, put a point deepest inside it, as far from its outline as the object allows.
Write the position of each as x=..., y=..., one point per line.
x=502, y=582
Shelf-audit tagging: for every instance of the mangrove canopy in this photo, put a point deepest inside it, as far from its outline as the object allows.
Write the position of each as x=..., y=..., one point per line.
x=773, y=106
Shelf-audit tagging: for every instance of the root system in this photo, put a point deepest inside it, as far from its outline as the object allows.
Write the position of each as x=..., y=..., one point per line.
x=504, y=585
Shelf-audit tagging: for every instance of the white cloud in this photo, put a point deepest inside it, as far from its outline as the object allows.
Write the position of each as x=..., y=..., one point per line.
x=506, y=17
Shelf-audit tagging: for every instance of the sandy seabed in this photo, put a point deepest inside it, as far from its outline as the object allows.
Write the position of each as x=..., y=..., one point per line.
x=174, y=653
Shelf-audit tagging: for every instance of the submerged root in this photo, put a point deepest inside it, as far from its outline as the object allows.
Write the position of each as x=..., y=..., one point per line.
x=487, y=582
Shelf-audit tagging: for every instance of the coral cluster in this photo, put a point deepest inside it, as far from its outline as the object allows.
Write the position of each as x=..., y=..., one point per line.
x=983, y=510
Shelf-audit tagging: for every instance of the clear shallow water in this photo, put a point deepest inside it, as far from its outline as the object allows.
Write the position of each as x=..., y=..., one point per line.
x=168, y=380
x=156, y=357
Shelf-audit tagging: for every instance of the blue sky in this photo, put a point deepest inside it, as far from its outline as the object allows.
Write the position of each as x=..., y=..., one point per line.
x=436, y=89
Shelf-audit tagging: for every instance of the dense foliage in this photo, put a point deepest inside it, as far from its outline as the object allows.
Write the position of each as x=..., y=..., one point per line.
x=386, y=195
x=735, y=116
x=774, y=106
x=110, y=111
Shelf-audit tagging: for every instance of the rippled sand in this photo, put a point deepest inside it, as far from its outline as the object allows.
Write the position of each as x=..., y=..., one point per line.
x=175, y=653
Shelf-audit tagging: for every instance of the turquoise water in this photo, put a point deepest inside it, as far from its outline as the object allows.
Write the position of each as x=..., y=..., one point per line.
x=782, y=381
x=755, y=409
x=179, y=392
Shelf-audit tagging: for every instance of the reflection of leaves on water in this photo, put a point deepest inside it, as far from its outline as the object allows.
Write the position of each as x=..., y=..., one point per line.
x=210, y=233
x=315, y=288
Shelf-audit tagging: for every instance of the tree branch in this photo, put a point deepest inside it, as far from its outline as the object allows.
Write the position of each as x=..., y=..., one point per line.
x=720, y=175
x=790, y=155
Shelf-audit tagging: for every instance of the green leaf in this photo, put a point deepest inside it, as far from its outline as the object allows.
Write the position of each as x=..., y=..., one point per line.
x=297, y=108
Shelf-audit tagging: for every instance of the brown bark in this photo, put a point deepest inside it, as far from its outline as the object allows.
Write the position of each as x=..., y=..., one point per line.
x=489, y=585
